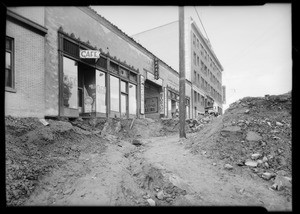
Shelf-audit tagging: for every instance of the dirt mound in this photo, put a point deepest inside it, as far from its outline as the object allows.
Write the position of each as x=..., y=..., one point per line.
x=254, y=133
x=34, y=150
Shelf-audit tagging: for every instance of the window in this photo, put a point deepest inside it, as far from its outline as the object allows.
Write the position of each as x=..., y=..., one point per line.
x=132, y=99
x=70, y=82
x=198, y=60
x=123, y=87
x=197, y=43
x=100, y=92
x=194, y=58
x=198, y=97
x=195, y=75
x=195, y=96
x=194, y=39
x=198, y=79
x=9, y=63
x=114, y=94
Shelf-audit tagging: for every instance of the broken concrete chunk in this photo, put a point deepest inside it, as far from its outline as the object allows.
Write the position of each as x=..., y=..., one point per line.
x=281, y=182
x=259, y=162
x=214, y=164
x=247, y=111
x=265, y=159
x=136, y=142
x=160, y=195
x=251, y=163
x=151, y=202
x=255, y=156
x=44, y=122
x=267, y=175
x=269, y=124
x=228, y=166
x=278, y=124
x=253, y=136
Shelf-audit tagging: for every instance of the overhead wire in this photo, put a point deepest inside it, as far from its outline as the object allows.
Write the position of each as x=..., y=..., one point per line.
x=202, y=24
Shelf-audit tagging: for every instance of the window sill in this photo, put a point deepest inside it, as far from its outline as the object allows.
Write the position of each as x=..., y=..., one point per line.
x=12, y=90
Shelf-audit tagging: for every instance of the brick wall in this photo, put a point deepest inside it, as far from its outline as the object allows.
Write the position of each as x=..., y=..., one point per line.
x=28, y=100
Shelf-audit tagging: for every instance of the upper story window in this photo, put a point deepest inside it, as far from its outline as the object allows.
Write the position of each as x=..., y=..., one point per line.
x=194, y=39
x=9, y=63
x=197, y=43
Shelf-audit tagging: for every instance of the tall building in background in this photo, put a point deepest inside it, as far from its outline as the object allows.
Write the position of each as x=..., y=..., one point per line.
x=202, y=67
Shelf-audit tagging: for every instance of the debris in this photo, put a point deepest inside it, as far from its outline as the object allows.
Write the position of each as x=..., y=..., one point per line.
x=132, y=123
x=278, y=124
x=247, y=111
x=253, y=136
x=44, y=122
x=251, y=163
x=265, y=159
x=281, y=182
x=228, y=166
x=151, y=202
x=255, y=156
x=160, y=195
x=136, y=142
x=269, y=124
x=214, y=164
x=281, y=172
x=267, y=175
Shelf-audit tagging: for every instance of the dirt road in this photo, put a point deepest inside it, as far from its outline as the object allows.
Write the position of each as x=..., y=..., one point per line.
x=161, y=171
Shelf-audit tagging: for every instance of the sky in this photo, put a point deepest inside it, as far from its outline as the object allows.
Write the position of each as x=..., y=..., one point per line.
x=253, y=43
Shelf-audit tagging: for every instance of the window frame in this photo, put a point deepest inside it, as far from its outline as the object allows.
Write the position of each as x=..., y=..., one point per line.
x=12, y=60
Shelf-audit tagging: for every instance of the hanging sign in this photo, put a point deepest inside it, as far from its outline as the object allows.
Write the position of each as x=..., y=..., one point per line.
x=89, y=54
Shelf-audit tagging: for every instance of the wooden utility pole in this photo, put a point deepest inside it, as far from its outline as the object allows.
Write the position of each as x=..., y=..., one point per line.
x=182, y=101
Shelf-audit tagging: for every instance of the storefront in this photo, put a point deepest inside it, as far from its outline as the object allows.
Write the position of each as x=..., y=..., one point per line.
x=173, y=104
x=94, y=87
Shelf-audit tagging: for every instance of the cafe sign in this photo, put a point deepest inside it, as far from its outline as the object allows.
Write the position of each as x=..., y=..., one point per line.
x=89, y=54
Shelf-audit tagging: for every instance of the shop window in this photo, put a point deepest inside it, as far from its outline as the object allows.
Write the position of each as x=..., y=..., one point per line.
x=133, y=77
x=9, y=63
x=123, y=87
x=70, y=82
x=132, y=99
x=100, y=91
x=114, y=94
x=124, y=105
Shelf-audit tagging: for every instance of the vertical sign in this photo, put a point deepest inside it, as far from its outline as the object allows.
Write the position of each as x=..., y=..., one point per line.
x=142, y=94
x=161, y=102
x=166, y=102
x=156, y=69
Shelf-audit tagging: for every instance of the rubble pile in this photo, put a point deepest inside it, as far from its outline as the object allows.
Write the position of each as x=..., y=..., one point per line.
x=33, y=150
x=191, y=125
x=253, y=134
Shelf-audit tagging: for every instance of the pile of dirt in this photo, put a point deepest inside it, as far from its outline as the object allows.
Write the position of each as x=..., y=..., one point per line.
x=34, y=150
x=253, y=134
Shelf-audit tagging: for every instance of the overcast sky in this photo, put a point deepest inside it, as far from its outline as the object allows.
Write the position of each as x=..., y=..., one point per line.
x=253, y=43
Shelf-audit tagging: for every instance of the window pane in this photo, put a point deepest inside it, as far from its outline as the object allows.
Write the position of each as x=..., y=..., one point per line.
x=8, y=60
x=8, y=78
x=123, y=104
x=132, y=99
x=70, y=82
x=114, y=93
x=8, y=44
x=123, y=86
x=100, y=92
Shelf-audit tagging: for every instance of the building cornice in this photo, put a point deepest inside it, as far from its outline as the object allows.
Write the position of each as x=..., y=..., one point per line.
x=26, y=22
x=89, y=11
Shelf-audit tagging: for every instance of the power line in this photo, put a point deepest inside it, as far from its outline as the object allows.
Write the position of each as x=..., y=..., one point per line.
x=201, y=23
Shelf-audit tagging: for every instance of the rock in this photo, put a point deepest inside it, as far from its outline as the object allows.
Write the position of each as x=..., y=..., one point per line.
x=146, y=196
x=151, y=202
x=228, y=166
x=118, y=127
x=247, y=111
x=255, y=156
x=278, y=124
x=265, y=159
x=281, y=172
x=266, y=165
x=281, y=182
x=269, y=124
x=136, y=142
x=169, y=200
x=160, y=195
x=251, y=163
x=214, y=164
x=259, y=162
x=253, y=136
x=267, y=175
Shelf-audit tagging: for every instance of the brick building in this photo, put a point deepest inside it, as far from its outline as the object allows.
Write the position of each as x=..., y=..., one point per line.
x=203, y=68
x=47, y=76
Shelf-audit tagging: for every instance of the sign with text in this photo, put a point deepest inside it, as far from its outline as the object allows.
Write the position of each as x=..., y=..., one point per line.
x=89, y=54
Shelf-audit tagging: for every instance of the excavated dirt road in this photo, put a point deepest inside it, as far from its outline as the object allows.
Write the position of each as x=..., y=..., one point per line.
x=160, y=171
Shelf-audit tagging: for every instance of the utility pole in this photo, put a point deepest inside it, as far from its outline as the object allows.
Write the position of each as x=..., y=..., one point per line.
x=182, y=108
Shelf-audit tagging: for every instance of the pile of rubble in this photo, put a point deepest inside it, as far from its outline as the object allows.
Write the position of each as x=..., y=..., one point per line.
x=191, y=125
x=254, y=134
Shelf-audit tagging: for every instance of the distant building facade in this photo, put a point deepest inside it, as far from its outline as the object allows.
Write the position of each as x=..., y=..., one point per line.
x=202, y=66
x=47, y=76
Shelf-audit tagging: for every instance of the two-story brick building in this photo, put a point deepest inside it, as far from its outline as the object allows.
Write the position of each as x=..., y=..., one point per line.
x=48, y=77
